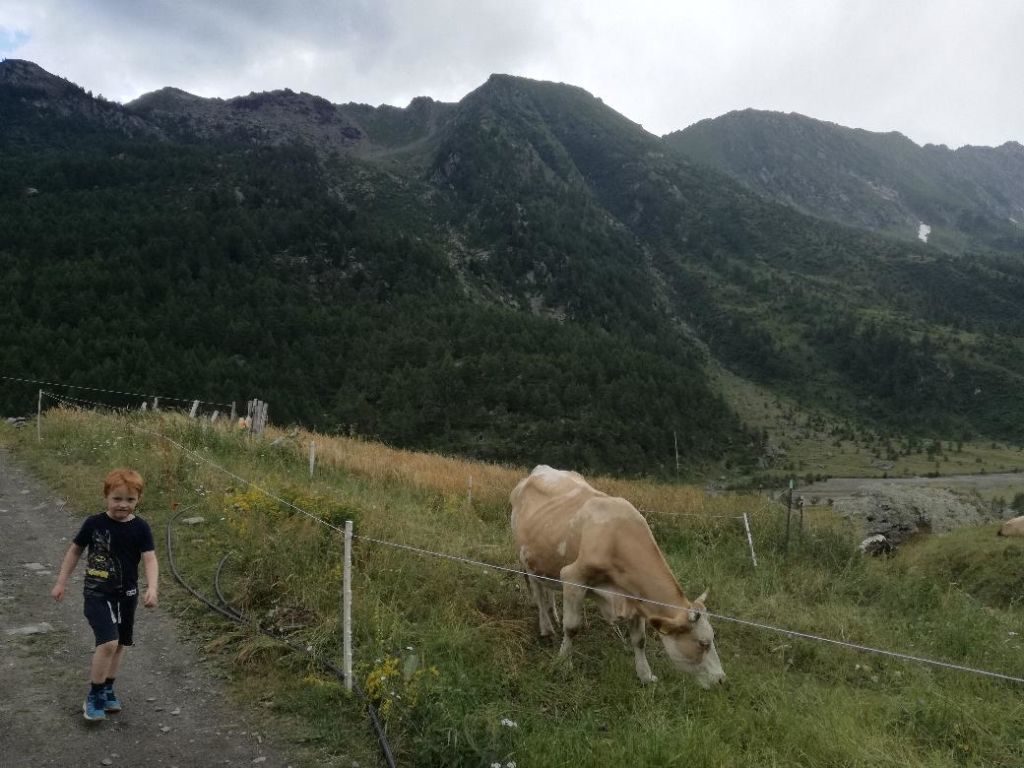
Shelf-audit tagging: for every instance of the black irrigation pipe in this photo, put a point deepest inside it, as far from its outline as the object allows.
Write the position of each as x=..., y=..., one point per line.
x=227, y=611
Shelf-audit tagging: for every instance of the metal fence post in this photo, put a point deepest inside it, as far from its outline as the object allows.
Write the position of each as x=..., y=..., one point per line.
x=750, y=539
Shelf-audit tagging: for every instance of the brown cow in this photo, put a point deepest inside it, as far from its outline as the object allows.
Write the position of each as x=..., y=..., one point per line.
x=567, y=530
x=1014, y=527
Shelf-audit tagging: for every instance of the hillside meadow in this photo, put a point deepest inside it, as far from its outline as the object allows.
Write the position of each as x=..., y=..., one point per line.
x=449, y=651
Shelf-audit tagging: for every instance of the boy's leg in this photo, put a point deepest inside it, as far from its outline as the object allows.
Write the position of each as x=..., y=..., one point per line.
x=125, y=610
x=102, y=659
x=111, y=702
x=102, y=616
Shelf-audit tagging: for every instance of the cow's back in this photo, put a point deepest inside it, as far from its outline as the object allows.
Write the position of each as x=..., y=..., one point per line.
x=544, y=505
x=555, y=513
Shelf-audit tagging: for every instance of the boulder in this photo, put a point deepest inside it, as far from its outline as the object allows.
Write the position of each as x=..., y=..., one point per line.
x=898, y=513
x=875, y=545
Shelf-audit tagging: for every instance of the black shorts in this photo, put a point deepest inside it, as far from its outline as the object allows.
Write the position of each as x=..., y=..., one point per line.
x=112, y=617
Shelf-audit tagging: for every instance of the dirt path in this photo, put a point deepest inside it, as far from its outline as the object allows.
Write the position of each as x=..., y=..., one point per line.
x=175, y=714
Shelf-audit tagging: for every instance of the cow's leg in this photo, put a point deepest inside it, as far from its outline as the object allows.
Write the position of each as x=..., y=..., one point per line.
x=553, y=595
x=542, y=599
x=638, y=637
x=572, y=604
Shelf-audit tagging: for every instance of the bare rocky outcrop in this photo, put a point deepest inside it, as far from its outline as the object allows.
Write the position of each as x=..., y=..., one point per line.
x=899, y=513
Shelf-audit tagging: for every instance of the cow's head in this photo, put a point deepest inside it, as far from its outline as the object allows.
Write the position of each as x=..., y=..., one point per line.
x=689, y=641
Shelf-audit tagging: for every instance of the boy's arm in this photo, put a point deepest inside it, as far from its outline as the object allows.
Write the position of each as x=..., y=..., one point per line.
x=66, y=567
x=152, y=578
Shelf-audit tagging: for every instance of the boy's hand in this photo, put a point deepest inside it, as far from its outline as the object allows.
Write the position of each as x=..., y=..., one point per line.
x=57, y=593
x=150, y=599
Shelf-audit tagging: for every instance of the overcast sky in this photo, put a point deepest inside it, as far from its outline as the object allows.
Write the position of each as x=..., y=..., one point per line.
x=940, y=71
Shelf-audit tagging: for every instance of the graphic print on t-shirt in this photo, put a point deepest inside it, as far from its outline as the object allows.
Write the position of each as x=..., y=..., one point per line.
x=101, y=573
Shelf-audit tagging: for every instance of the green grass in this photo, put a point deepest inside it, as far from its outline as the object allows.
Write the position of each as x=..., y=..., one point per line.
x=815, y=443
x=450, y=651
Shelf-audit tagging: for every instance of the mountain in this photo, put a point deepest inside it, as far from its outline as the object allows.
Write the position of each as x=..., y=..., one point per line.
x=878, y=181
x=281, y=117
x=38, y=107
x=524, y=276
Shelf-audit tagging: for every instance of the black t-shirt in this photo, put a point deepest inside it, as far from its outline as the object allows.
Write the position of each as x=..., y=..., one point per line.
x=115, y=548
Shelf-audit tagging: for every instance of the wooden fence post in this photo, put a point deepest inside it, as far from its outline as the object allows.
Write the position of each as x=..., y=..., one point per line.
x=789, y=511
x=346, y=608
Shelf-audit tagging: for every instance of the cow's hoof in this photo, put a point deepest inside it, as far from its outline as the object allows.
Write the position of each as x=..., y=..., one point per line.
x=649, y=680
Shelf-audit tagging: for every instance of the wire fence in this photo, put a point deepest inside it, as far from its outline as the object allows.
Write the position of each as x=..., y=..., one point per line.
x=113, y=391
x=938, y=663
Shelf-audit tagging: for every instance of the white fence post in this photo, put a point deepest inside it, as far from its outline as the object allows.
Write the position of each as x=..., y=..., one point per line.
x=312, y=458
x=195, y=407
x=346, y=609
x=39, y=418
x=471, y=489
x=750, y=539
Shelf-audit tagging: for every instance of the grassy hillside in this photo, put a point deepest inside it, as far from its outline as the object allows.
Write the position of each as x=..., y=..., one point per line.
x=450, y=650
x=808, y=443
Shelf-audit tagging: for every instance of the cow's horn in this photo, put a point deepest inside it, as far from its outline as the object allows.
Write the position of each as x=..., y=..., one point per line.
x=702, y=598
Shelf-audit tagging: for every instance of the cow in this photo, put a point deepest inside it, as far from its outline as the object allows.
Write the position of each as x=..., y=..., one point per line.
x=591, y=542
x=1014, y=527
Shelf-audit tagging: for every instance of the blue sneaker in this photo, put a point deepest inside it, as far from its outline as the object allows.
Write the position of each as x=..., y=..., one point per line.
x=93, y=709
x=111, y=702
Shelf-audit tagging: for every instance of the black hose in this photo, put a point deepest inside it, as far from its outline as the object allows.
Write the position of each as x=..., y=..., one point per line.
x=232, y=614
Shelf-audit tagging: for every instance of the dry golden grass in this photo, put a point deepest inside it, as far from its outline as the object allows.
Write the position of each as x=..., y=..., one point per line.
x=492, y=483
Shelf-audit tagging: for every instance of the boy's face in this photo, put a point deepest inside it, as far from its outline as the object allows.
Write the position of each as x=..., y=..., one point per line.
x=121, y=502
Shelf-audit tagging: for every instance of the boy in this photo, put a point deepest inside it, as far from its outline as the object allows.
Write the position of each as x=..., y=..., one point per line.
x=116, y=539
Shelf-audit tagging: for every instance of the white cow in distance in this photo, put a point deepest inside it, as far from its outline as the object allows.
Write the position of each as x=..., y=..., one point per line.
x=1014, y=527
x=567, y=530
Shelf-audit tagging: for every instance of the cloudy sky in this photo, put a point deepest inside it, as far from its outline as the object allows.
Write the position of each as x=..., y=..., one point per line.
x=939, y=71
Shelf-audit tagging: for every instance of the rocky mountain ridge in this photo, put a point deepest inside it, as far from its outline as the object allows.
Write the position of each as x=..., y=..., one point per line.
x=37, y=94
x=878, y=181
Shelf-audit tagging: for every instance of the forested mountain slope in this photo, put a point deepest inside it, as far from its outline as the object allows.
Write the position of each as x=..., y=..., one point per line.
x=525, y=275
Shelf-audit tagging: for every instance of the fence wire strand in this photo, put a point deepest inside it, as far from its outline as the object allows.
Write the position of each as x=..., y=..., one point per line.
x=111, y=391
x=599, y=590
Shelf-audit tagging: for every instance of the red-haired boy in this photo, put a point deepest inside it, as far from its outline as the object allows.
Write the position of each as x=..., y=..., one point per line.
x=116, y=540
